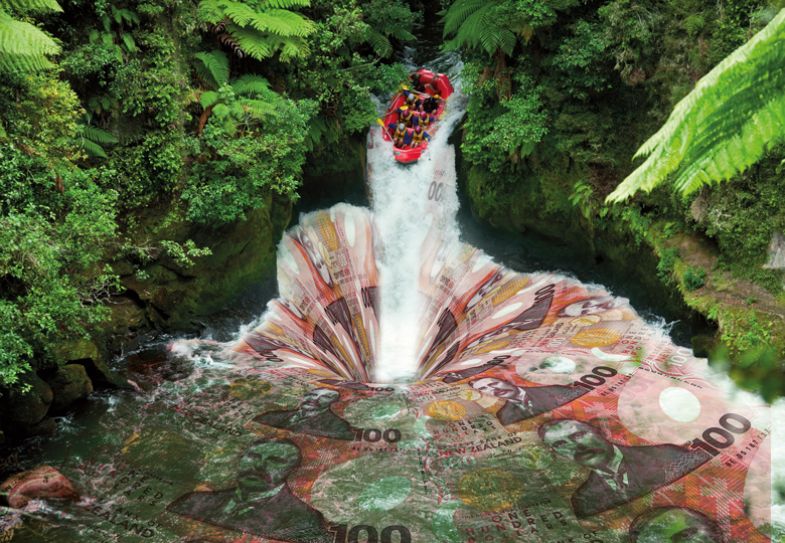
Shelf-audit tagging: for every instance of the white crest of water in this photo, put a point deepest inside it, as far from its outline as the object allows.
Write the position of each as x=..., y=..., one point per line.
x=408, y=203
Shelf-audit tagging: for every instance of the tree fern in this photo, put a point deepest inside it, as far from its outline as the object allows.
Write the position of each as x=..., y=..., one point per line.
x=251, y=85
x=216, y=67
x=476, y=25
x=23, y=47
x=259, y=29
x=30, y=6
x=379, y=42
x=93, y=138
x=727, y=123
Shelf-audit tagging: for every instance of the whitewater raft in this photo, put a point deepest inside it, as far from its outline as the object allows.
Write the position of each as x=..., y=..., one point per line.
x=431, y=83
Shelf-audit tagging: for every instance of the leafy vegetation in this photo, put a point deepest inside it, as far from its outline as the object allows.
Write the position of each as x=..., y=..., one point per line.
x=24, y=47
x=723, y=126
x=259, y=29
x=599, y=79
x=160, y=124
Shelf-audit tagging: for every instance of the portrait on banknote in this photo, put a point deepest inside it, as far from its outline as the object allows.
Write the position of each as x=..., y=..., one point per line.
x=617, y=473
x=313, y=416
x=260, y=502
x=524, y=402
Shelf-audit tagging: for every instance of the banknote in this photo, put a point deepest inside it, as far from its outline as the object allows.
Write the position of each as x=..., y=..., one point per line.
x=544, y=410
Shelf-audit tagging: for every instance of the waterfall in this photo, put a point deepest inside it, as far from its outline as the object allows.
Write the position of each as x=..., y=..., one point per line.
x=414, y=209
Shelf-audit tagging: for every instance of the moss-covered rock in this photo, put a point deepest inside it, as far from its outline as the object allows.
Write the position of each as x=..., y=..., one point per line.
x=69, y=383
x=26, y=405
x=172, y=296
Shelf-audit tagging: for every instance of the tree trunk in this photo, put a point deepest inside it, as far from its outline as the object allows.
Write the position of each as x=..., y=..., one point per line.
x=502, y=75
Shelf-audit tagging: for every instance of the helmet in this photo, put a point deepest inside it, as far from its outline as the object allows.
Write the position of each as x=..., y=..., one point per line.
x=417, y=128
x=437, y=96
x=405, y=87
x=401, y=126
x=404, y=107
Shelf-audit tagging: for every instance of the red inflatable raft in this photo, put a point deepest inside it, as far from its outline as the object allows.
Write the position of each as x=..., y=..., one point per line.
x=430, y=84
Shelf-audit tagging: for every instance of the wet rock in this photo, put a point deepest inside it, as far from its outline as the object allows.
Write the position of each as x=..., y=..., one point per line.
x=27, y=408
x=43, y=482
x=86, y=353
x=69, y=383
x=127, y=314
x=243, y=254
x=77, y=350
x=46, y=427
x=776, y=260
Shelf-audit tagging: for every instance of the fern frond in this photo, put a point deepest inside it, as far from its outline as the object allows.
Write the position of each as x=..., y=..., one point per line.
x=24, y=47
x=461, y=10
x=380, y=44
x=248, y=85
x=292, y=48
x=93, y=149
x=275, y=21
x=731, y=118
x=252, y=42
x=259, y=29
x=210, y=11
x=259, y=108
x=98, y=135
x=216, y=64
x=287, y=4
x=208, y=98
x=30, y=6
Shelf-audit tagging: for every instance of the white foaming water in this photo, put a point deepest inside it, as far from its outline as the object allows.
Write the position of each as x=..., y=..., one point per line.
x=409, y=201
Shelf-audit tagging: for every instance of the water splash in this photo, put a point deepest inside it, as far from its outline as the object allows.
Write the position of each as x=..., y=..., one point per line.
x=411, y=202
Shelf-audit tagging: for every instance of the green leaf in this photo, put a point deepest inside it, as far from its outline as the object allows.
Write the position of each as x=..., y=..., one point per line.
x=732, y=117
x=208, y=98
x=129, y=42
x=217, y=65
x=28, y=6
x=24, y=47
x=251, y=85
x=98, y=135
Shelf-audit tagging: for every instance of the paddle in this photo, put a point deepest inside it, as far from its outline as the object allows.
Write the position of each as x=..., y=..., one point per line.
x=384, y=127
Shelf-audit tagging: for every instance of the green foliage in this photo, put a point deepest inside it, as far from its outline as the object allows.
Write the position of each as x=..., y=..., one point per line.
x=495, y=26
x=51, y=248
x=694, y=278
x=25, y=48
x=93, y=139
x=507, y=132
x=666, y=264
x=252, y=147
x=216, y=67
x=261, y=28
x=726, y=124
x=41, y=115
x=184, y=253
x=581, y=197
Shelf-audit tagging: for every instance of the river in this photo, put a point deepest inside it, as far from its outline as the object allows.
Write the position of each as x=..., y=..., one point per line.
x=406, y=386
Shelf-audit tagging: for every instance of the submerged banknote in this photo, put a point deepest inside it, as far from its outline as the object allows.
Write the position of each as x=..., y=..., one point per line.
x=545, y=410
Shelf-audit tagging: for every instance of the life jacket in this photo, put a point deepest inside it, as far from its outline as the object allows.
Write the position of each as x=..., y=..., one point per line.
x=407, y=139
x=417, y=137
x=406, y=116
x=425, y=120
x=399, y=133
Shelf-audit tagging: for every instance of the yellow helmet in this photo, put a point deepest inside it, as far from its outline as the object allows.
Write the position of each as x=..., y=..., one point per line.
x=404, y=87
x=404, y=107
